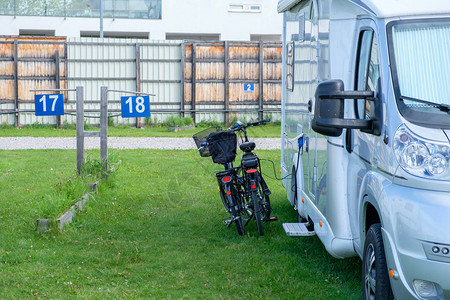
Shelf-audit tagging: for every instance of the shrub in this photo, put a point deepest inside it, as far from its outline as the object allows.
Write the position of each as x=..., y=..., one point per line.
x=177, y=121
x=209, y=123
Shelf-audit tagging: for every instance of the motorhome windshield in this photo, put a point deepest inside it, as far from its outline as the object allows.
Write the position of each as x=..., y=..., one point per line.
x=419, y=52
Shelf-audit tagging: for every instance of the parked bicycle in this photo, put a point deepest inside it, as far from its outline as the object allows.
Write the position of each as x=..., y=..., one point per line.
x=243, y=190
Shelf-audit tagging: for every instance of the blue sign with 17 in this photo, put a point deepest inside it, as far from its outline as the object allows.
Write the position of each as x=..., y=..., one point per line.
x=49, y=105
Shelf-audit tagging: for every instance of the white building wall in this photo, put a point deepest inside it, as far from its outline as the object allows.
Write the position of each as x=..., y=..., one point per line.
x=186, y=16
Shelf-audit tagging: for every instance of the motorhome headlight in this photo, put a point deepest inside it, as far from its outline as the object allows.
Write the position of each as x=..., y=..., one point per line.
x=414, y=155
x=436, y=164
x=420, y=157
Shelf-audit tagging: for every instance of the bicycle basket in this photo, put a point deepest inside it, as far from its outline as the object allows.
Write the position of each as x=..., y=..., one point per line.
x=222, y=146
x=200, y=140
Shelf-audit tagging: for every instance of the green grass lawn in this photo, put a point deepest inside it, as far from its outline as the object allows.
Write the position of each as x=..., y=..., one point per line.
x=154, y=231
x=273, y=131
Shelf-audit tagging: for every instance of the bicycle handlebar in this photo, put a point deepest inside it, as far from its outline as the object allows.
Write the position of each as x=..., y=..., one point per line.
x=258, y=122
x=239, y=125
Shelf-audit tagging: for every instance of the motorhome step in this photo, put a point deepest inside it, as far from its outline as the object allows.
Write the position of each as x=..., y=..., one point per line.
x=297, y=229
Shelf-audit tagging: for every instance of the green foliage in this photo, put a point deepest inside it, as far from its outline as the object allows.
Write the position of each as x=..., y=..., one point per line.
x=110, y=121
x=277, y=123
x=178, y=122
x=69, y=126
x=88, y=126
x=149, y=122
x=59, y=199
x=157, y=233
x=208, y=123
x=38, y=125
x=6, y=126
x=71, y=186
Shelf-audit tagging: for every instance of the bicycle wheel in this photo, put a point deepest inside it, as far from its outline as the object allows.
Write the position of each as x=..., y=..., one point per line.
x=257, y=199
x=224, y=198
x=237, y=219
x=231, y=203
x=255, y=194
x=266, y=209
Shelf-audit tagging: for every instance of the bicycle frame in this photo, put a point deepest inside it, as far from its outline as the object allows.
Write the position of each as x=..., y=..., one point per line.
x=242, y=189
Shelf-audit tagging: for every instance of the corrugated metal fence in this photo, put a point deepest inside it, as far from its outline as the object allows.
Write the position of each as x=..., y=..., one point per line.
x=206, y=81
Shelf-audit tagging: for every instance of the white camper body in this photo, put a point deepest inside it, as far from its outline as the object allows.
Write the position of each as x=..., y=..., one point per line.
x=373, y=158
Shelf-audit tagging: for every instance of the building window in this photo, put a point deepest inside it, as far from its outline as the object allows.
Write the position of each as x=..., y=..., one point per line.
x=129, y=9
x=37, y=32
x=265, y=37
x=116, y=34
x=193, y=36
x=244, y=8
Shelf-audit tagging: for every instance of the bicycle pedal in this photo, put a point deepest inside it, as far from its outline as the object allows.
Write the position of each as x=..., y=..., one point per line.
x=227, y=221
x=273, y=218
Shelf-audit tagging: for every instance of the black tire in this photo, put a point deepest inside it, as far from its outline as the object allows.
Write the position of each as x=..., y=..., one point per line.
x=264, y=199
x=257, y=211
x=375, y=279
x=224, y=198
x=238, y=221
x=266, y=208
x=233, y=210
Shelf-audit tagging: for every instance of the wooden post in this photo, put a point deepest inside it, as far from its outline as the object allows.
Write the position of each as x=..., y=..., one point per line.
x=16, y=84
x=80, y=129
x=261, y=81
x=226, y=83
x=183, y=77
x=104, y=127
x=194, y=54
x=138, y=78
x=58, y=85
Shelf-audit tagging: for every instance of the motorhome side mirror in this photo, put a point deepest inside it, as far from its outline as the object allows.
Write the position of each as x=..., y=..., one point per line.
x=329, y=108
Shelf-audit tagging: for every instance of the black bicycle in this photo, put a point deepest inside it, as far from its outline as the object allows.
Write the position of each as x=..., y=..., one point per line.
x=243, y=190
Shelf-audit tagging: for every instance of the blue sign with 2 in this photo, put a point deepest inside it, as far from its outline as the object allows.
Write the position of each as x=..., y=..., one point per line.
x=49, y=105
x=249, y=87
x=135, y=106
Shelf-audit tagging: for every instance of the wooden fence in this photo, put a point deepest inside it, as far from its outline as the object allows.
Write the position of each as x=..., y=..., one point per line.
x=216, y=77
x=202, y=80
x=26, y=64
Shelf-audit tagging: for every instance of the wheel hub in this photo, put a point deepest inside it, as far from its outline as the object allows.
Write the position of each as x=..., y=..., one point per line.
x=370, y=274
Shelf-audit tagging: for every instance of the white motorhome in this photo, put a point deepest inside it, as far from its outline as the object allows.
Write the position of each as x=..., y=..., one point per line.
x=366, y=137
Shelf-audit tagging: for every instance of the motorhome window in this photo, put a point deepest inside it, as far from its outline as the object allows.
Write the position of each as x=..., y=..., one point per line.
x=419, y=52
x=313, y=16
x=301, y=27
x=374, y=67
x=290, y=48
x=363, y=59
x=363, y=70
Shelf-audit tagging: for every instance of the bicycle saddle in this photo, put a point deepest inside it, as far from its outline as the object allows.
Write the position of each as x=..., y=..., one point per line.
x=248, y=146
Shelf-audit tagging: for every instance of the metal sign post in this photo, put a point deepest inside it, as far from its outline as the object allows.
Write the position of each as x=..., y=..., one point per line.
x=80, y=129
x=103, y=133
x=104, y=127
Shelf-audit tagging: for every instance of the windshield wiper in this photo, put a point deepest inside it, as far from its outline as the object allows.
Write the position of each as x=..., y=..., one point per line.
x=441, y=106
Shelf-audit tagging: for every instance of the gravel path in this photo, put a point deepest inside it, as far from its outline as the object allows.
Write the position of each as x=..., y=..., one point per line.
x=15, y=143
x=12, y=143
